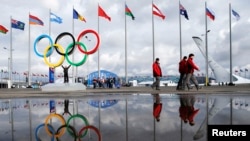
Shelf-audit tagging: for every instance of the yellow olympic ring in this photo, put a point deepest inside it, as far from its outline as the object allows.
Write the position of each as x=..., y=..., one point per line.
x=62, y=120
x=54, y=65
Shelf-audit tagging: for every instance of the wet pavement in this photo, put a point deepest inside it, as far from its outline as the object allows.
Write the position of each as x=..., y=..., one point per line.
x=29, y=92
x=124, y=114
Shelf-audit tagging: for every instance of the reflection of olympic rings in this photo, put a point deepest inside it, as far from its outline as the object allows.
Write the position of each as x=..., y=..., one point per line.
x=85, y=121
x=69, y=50
x=70, y=129
x=62, y=121
x=40, y=126
x=91, y=127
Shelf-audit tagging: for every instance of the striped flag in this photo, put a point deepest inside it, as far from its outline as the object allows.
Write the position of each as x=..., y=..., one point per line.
x=157, y=12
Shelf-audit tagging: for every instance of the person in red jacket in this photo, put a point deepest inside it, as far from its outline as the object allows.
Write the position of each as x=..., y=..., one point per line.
x=182, y=71
x=157, y=107
x=191, y=66
x=157, y=74
x=187, y=112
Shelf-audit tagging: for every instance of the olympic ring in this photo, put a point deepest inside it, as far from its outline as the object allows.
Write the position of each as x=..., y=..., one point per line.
x=50, y=128
x=69, y=50
x=40, y=38
x=97, y=44
x=61, y=59
x=85, y=121
x=91, y=127
x=62, y=121
x=70, y=127
x=73, y=44
x=67, y=54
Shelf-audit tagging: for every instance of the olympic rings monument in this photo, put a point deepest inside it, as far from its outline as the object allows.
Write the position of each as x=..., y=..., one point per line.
x=65, y=54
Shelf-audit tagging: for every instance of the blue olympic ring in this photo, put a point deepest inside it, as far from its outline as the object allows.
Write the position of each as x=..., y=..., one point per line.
x=40, y=38
x=50, y=128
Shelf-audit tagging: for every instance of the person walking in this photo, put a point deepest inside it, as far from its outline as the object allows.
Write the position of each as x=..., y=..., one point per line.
x=191, y=66
x=66, y=75
x=157, y=107
x=182, y=71
x=157, y=74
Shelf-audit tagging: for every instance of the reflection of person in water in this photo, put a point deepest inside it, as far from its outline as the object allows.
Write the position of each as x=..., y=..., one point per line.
x=66, y=75
x=186, y=110
x=66, y=107
x=157, y=107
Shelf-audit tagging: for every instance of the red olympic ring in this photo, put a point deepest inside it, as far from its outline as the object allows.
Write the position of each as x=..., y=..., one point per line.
x=91, y=127
x=97, y=44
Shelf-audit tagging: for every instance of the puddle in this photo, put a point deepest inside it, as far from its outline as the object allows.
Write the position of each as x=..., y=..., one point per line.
x=120, y=117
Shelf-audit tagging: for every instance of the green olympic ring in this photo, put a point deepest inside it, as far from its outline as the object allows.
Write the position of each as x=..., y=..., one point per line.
x=81, y=117
x=84, y=58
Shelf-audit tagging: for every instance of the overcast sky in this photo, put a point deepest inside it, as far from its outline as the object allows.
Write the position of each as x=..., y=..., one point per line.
x=139, y=34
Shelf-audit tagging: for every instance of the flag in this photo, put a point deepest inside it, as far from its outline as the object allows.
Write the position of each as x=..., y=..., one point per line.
x=35, y=20
x=3, y=29
x=157, y=12
x=236, y=15
x=102, y=13
x=17, y=24
x=128, y=12
x=78, y=16
x=55, y=18
x=210, y=14
x=183, y=12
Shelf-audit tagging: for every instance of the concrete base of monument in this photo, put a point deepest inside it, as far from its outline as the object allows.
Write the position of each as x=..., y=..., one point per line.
x=58, y=87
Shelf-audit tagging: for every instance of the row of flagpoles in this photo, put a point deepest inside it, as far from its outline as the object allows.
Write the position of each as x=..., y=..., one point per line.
x=34, y=20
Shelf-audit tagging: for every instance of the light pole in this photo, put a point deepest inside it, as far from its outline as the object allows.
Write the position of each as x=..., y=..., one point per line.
x=9, y=66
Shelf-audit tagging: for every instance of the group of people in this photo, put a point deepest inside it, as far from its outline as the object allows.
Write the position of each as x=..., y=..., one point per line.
x=109, y=82
x=187, y=110
x=186, y=70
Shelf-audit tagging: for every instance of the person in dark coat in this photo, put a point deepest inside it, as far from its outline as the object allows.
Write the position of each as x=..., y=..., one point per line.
x=182, y=71
x=66, y=74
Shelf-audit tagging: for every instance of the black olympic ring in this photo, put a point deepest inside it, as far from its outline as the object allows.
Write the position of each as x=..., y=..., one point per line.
x=73, y=45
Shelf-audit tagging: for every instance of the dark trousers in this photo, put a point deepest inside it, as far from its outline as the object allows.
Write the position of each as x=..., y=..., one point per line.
x=66, y=78
x=156, y=82
x=181, y=84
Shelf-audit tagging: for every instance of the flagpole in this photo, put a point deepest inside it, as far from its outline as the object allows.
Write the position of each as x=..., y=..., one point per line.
x=49, y=56
x=49, y=24
x=98, y=61
x=29, y=86
x=230, y=39
x=206, y=81
x=180, y=31
x=153, y=33
x=73, y=58
x=126, y=77
x=10, y=69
